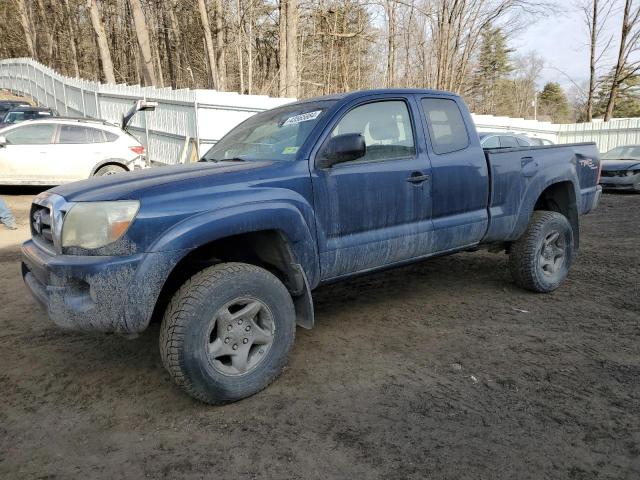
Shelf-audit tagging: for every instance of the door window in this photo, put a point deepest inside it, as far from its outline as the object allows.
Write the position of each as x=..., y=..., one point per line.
x=491, y=142
x=31, y=134
x=507, y=141
x=446, y=125
x=385, y=126
x=79, y=135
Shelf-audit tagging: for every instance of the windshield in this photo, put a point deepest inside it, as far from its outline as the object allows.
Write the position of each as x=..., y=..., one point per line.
x=622, y=153
x=274, y=134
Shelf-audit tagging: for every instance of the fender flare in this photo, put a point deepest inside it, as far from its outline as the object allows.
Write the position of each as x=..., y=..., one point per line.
x=206, y=227
x=531, y=197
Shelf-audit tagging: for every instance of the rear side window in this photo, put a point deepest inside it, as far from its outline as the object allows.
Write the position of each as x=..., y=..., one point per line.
x=446, y=125
x=523, y=142
x=111, y=137
x=72, y=134
x=31, y=135
x=507, y=141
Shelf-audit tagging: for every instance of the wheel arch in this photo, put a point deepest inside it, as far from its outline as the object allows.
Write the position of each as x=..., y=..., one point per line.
x=561, y=197
x=111, y=161
x=270, y=249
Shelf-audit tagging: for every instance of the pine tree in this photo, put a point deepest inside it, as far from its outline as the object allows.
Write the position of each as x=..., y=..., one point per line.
x=493, y=66
x=553, y=102
x=628, y=98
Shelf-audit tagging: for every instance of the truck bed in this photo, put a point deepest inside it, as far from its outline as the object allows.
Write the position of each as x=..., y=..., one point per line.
x=518, y=175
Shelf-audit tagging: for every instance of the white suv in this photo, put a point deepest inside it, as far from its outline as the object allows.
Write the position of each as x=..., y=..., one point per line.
x=57, y=150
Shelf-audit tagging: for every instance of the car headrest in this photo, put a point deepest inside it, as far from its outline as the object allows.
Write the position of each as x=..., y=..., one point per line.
x=384, y=129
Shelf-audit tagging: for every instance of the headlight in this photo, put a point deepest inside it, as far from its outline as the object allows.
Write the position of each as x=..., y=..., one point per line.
x=96, y=224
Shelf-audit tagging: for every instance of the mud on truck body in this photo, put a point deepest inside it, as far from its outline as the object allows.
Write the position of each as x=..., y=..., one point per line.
x=227, y=251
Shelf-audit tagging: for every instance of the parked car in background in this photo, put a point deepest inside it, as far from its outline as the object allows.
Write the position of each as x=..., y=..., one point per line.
x=621, y=168
x=503, y=140
x=541, y=142
x=6, y=105
x=21, y=114
x=59, y=150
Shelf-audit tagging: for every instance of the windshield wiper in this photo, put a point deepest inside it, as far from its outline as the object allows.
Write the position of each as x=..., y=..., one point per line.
x=232, y=159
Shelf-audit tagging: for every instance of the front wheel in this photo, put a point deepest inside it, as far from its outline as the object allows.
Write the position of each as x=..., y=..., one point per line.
x=540, y=259
x=227, y=332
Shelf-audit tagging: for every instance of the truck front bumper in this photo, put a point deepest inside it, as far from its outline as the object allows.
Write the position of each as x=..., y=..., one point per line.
x=108, y=294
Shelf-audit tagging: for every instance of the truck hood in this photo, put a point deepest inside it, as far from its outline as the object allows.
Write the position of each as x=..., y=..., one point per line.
x=620, y=164
x=130, y=185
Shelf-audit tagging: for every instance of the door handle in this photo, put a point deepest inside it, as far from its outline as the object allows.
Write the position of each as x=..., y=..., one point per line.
x=418, y=177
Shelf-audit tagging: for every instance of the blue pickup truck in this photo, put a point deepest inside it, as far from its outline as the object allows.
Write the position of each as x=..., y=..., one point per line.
x=227, y=251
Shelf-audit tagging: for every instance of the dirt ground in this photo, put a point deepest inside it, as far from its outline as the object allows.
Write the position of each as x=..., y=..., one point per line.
x=439, y=370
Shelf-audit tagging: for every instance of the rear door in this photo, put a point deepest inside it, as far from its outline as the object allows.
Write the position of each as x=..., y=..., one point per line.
x=25, y=157
x=376, y=210
x=78, y=148
x=459, y=169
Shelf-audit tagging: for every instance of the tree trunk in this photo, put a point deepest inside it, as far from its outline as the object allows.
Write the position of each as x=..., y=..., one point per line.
x=172, y=54
x=592, y=60
x=27, y=27
x=292, y=48
x=288, y=54
x=282, y=50
x=208, y=40
x=142, y=34
x=620, y=64
x=239, y=45
x=73, y=38
x=221, y=55
x=101, y=40
x=391, y=43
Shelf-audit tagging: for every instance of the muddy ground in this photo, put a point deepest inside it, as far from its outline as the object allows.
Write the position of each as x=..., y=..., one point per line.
x=439, y=370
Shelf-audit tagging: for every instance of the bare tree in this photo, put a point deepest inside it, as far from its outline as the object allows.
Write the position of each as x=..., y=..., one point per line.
x=142, y=34
x=625, y=67
x=288, y=51
x=101, y=39
x=208, y=40
x=221, y=47
x=27, y=27
x=595, y=14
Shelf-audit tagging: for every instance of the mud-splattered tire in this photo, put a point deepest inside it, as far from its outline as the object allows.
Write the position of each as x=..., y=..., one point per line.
x=109, y=170
x=227, y=332
x=539, y=260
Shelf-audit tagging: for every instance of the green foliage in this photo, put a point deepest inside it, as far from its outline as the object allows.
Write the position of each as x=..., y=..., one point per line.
x=627, y=102
x=553, y=102
x=492, y=68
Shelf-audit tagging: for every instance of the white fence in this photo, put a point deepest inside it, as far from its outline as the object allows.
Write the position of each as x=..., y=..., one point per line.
x=181, y=115
x=607, y=135
x=206, y=115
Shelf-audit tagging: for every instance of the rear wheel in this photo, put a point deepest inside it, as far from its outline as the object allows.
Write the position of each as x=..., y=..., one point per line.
x=227, y=332
x=109, y=170
x=540, y=259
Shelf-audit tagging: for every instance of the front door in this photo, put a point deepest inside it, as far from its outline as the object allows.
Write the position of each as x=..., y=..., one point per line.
x=375, y=211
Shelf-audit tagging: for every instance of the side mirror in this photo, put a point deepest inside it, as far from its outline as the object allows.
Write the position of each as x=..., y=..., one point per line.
x=139, y=106
x=3, y=141
x=342, y=148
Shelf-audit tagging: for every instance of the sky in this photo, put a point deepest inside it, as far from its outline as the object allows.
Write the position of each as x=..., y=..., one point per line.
x=562, y=40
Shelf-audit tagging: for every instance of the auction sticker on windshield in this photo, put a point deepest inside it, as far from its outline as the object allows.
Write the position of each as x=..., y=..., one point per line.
x=303, y=117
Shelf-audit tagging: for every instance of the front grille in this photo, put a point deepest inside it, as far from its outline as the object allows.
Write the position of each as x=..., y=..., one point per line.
x=41, y=224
